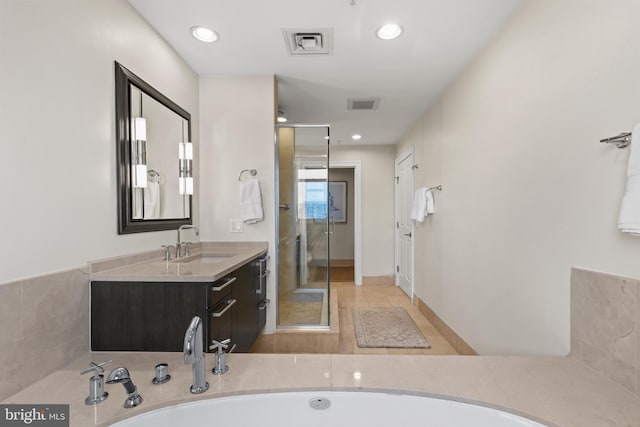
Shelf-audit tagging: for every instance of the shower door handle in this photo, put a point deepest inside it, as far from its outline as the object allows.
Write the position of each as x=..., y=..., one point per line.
x=286, y=207
x=328, y=229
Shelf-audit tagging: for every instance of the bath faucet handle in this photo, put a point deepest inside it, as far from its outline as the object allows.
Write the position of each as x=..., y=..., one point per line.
x=167, y=252
x=98, y=368
x=96, y=383
x=220, y=366
x=220, y=346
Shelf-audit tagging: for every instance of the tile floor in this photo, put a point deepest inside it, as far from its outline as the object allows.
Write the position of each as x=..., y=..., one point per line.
x=384, y=294
x=350, y=296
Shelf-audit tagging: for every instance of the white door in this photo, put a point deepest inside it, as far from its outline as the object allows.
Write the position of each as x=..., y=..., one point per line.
x=404, y=225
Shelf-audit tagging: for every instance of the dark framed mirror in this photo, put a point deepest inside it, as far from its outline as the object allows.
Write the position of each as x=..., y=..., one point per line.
x=154, y=186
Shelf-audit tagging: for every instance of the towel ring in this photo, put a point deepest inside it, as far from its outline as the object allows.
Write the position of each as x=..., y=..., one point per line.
x=252, y=172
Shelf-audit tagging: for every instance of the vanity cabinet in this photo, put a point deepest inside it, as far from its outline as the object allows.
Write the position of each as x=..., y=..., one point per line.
x=153, y=316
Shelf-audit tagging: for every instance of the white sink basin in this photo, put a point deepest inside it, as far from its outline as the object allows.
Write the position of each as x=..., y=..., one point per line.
x=206, y=258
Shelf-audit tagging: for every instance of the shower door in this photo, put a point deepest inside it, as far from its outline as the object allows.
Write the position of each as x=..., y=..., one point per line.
x=303, y=226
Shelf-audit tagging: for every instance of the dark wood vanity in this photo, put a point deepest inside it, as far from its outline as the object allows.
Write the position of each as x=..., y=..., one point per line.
x=154, y=315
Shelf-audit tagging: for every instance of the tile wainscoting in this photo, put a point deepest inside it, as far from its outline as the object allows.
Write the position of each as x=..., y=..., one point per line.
x=45, y=325
x=605, y=316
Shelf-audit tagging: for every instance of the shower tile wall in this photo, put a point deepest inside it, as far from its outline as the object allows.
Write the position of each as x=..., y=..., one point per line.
x=605, y=317
x=287, y=225
x=44, y=324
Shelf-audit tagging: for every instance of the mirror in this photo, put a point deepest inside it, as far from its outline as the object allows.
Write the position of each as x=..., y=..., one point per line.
x=149, y=181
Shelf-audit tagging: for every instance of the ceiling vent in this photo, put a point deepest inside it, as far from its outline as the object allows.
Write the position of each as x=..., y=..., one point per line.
x=318, y=41
x=363, y=104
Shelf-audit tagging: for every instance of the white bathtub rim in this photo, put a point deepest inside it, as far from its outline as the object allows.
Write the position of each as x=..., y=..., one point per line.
x=320, y=390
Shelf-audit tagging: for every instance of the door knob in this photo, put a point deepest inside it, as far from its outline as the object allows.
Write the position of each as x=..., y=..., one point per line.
x=408, y=235
x=286, y=207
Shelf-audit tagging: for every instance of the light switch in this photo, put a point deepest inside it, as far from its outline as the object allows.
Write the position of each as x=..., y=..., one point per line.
x=235, y=225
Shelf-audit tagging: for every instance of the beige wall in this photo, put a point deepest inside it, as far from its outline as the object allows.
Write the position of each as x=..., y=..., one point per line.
x=58, y=178
x=377, y=163
x=528, y=190
x=237, y=133
x=57, y=117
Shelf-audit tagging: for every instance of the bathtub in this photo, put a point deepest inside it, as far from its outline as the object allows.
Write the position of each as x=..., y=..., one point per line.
x=328, y=408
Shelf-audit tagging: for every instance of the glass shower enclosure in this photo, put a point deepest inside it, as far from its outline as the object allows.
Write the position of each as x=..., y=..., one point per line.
x=303, y=226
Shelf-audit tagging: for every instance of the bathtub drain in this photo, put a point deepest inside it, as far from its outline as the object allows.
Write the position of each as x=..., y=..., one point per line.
x=319, y=403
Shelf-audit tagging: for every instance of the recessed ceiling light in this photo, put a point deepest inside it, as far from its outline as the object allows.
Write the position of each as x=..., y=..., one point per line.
x=204, y=34
x=389, y=31
x=356, y=137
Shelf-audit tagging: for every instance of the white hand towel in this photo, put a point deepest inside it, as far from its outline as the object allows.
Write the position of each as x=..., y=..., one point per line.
x=423, y=204
x=629, y=219
x=152, y=200
x=251, y=201
x=430, y=208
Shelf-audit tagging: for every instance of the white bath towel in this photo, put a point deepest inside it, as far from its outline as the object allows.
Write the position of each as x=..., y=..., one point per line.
x=251, y=201
x=423, y=204
x=152, y=200
x=629, y=219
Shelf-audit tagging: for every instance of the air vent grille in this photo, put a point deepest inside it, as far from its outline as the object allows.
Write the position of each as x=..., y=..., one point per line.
x=308, y=42
x=363, y=104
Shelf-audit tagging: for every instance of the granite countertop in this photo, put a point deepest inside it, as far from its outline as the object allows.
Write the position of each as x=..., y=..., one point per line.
x=555, y=390
x=209, y=261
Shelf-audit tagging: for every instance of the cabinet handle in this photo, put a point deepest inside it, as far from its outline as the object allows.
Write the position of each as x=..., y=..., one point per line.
x=229, y=281
x=230, y=304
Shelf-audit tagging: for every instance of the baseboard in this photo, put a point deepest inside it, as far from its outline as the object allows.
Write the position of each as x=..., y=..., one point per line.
x=456, y=341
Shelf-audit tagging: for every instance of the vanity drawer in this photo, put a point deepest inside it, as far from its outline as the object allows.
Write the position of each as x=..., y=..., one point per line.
x=220, y=318
x=219, y=289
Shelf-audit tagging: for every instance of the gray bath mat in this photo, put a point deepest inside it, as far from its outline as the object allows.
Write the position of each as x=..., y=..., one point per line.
x=389, y=327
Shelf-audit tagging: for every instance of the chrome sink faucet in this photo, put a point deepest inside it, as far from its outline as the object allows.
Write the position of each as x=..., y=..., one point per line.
x=194, y=354
x=179, y=242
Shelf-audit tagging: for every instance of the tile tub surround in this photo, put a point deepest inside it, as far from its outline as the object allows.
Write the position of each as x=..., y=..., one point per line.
x=44, y=326
x=559, y=390
x=605, y=318
x=151, y=266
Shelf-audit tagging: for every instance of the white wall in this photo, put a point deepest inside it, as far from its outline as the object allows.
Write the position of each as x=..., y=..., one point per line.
x=377, y=164
x=341, y=241
x=57, y=109
x=237, y=132
x=529, y=191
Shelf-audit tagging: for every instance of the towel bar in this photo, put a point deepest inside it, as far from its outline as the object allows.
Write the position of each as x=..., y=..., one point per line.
x=252, y=172
x=437, y=187
x=623, y=140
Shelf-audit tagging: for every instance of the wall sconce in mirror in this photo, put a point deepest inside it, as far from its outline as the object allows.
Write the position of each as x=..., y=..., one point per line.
x=185, y=168
x=152, y=195
x=139, y=151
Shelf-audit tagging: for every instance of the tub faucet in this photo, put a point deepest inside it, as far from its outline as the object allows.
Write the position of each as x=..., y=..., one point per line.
x=194, y=354
x=179, y=242
x=121, y=375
